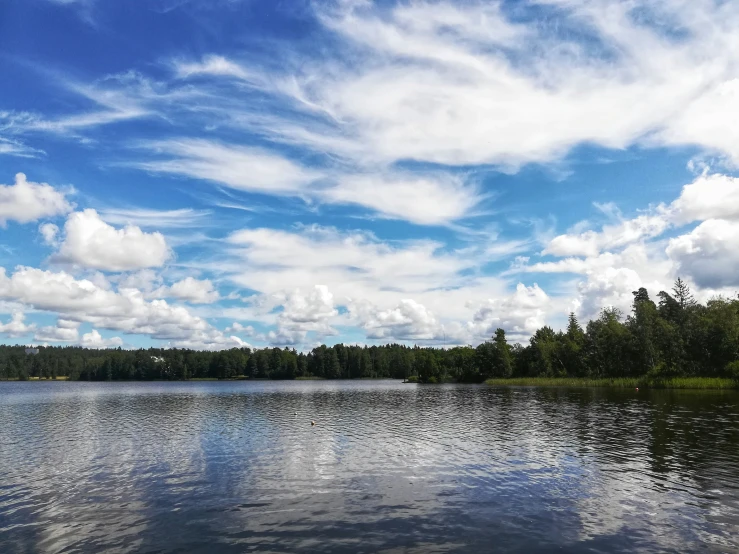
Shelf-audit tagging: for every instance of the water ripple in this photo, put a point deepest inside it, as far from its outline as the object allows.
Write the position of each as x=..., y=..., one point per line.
x=234, y=467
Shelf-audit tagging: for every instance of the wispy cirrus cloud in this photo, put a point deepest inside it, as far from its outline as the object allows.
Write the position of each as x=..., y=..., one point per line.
x=467, y=84
x=186, y=218
x=17, y=148
x=433, y=198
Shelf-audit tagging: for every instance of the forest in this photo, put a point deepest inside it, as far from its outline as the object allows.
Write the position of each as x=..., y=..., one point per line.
x=672, y=337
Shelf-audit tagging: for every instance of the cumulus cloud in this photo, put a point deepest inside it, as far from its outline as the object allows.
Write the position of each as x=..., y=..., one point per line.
x=93, y=339
x=126, y=310
x=372, y=278
x=315, y=306
x=591, y=243
x=193, y=290
x=17, y=326
x=611, y=287
x=710, y=196
x=408, y=320
x=519, y=314
x=239, y=329
x=211, y=339
x=92, y=243
x=281, y=260
x=709, y=253
x=145, y=280
x=621, y=257
x=64, y=331
x=49, y=232
x=26, y=201
x=608, y=279
x=303, y=311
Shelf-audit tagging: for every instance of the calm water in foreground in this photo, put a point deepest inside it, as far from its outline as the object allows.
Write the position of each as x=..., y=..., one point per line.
x=230, y=467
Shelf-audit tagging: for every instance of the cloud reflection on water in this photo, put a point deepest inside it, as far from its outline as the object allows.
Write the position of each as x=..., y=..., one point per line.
x=156, y=466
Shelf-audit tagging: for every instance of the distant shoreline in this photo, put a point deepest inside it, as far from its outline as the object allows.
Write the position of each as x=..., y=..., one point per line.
x=676, y=383
x=685, y=383
x=192, y=379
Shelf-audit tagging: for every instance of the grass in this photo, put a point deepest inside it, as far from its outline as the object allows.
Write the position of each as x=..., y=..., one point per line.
x=625, y=382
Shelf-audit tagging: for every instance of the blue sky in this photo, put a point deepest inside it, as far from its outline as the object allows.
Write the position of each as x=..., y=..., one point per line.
x=228, y=173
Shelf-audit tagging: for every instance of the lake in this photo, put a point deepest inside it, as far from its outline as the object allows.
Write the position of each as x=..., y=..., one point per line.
x=387, y=467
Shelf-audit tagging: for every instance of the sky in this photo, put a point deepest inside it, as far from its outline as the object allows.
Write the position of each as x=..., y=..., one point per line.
x=248, y=173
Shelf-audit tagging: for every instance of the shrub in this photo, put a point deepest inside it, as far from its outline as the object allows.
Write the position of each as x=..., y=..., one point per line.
x=732, y=370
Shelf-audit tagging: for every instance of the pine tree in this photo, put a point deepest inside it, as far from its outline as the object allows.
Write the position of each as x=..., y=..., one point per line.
x=682, y=294
x=503, y=357
x=574, y=331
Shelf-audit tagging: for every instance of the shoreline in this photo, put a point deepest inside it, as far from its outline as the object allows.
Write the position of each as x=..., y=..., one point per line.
x=674, y=383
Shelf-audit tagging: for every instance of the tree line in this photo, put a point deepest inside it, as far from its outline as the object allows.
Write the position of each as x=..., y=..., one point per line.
x=673, y=337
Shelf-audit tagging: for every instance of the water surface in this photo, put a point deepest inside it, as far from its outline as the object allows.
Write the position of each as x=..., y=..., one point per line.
x=388, y=467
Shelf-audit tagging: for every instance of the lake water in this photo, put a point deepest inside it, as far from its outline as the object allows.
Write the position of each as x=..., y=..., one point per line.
x=388, y=467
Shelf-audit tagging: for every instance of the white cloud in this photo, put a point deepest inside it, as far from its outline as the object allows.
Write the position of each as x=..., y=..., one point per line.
x=69, y=2
x=352, y=264
x=708, y=197
x=239, y=329
x=209, y=340
x=610, y=277
x=429, y=199
x=127, y=310
x=303, y=311
x=49, y=232
x=17, y=326
x=64, y=331
x=15, y=148
x=382, y=284
x=703, y=120
x=408, y=320
x=708, y=254
x=93, y=339
x=161, y=219
x=315, y=306
x=452, y=83
x=193, y=290
x=591, y=243
x=213, y=65
x=611, y=287
x=446, y=83
x=26, y=201
x=519, y=314
x=705, y=255
x=240, y=167
x=90, y=242
x=145, y=280
x=474, y=83
x=425, y=200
